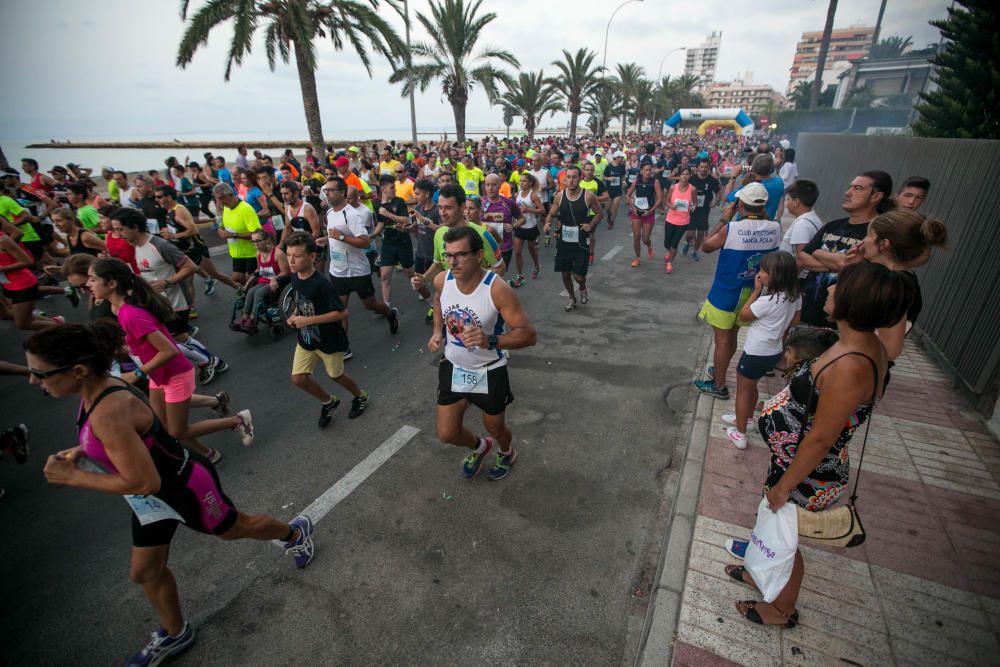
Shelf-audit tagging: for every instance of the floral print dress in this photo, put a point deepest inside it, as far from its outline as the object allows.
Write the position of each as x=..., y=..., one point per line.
x=781, y=422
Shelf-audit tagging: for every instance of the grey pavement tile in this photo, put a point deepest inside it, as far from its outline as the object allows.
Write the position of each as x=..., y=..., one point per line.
x=759, y=639
x=805, y=645
x=956, y=647
x=972, y=615
x=864, y=626
x=723, y=646
x=886, y=578
x=916, y=655
x=989, y=489
x=952, y=467
x=931, y=627
x=813, y=555
x=675, y=556
x=928, y=450
x=891, y=469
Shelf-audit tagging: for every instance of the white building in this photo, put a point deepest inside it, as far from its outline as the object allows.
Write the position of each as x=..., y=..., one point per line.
x=701, y=60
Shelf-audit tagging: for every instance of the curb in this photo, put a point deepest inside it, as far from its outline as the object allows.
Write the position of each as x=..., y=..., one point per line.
x=656, y=647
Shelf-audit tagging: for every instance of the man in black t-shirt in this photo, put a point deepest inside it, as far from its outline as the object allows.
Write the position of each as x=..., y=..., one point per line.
x=318, y=315
x=706, y=187
x=868, y=195
x=156, y=215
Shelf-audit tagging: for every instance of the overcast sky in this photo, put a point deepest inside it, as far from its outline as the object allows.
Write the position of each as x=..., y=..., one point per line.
x=105, y=68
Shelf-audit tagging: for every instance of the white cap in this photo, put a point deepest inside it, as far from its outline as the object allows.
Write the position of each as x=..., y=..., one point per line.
x=753, y=194
x=618, y=154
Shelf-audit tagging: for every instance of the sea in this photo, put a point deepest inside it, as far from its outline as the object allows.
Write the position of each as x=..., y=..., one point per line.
x=141, y=159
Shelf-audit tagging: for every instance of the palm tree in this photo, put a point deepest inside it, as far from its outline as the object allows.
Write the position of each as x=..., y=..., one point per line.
x=890, y=47
x=685, y=88
x=531, y=96
x=824, y=46
x=577, y=80
x=291, y=27
x=601, y=106
x=628, y=76
x=645, y=94
x=801, y=94
x=454, y=30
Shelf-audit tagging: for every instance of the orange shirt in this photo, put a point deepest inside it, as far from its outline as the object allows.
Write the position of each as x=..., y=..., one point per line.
x=505, y=190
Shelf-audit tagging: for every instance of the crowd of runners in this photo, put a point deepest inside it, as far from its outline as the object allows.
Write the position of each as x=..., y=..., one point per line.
x=460, y=228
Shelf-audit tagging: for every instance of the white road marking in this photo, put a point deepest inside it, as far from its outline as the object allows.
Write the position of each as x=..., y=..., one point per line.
x=611, y=253
x=217, y=250
x=352, y=480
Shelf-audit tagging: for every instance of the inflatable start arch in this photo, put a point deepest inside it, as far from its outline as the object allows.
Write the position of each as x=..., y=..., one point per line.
x=738, y=117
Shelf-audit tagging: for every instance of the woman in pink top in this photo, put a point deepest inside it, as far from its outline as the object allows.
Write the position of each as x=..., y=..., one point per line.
x=19, y=286
x=680, y=201
x=141, y=313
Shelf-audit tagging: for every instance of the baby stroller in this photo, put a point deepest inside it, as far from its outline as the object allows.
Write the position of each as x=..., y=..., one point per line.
x=271, y=312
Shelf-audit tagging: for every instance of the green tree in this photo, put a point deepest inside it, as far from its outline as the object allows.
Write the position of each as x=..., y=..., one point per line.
x=454, y=30
x=291, y=28
x=508, y=118
x=967, y=74
x=601, y=106
x=626, y=82
x=578, y=78
x=890, y=47
x=531, y=96
x=861, y=97
x=802, y=94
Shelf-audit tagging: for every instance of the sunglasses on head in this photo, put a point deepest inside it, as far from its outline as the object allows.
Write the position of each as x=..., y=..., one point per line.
x=44, y=375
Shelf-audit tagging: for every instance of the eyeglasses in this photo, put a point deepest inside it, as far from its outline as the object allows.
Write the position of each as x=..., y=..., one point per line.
x=44, y=375
x=331, y=190
x=461, y=254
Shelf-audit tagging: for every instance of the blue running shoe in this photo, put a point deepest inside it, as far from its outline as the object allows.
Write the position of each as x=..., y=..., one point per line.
x=162, y=646
x=302, y=547
x=502, y=464
x=685, y=248
x=737, y=548
x=695, y=257
x=473, y=463
x=708, y=387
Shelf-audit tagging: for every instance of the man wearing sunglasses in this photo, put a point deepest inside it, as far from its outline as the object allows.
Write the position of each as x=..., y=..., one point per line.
x=470, y=311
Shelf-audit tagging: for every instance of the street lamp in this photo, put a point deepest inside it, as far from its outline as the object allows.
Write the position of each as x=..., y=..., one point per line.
x=659, y=73
x=604, y=62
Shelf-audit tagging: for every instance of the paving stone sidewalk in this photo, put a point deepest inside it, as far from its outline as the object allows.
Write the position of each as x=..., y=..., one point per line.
x=925, y=587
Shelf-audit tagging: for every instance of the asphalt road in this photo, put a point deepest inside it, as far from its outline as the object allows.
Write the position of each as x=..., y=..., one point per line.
x=417, y=565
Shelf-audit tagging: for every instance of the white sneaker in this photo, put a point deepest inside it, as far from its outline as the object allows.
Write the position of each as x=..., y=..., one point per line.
x=245, y=427
x=738, y=439
x=729, y=419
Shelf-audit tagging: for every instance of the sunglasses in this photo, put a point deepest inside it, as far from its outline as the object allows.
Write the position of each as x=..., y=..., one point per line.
x=44, y=375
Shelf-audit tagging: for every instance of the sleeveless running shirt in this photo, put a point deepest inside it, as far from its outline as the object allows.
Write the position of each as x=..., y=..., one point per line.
x=530, y=219
x=183, y=244
x=477, y=310
x=645, y=194
x=298, y=222
x=573, y=213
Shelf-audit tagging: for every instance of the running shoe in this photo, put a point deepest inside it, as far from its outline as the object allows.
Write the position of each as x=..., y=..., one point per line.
x=729, y=419
x=584, y=296
x=348, y=354
x=429, y=317
x=162, y=646
x=695, y=257
x=301, y=547
x=206, y=373
x=591, y=260
x=708, y=387
x=326, y=411
x=15, y=441
x=214, y=455
x=570, y=306
x=738, y=439
x=502, y=464
x=684, y=250
x=74, y=298
x=193, y=314
x=517, y=281
x=736, y=548
x=220, y=365
x=534, y=273
x=245, y=427
x=649, y=251
x=710, y=373
x=59, y=318
x=393, y=320
x=209, y=286
x=193, y=331
x=670, y=268
x=358, y=405
x=473, y=463
x=635, y=263
x=222, y=408
x=611, y=226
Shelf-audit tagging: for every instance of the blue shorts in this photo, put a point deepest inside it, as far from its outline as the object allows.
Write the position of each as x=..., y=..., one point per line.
x=755, y=367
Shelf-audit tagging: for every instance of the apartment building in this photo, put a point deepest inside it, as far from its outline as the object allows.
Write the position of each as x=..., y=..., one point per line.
x=701, y=60
x=846, y=44
x=754, y=98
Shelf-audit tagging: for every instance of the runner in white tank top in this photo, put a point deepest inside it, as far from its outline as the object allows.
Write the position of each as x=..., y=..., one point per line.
x=459, y=311
x=530, y=202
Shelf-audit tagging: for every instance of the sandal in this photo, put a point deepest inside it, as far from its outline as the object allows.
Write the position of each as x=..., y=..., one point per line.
x=735, y=572
x=754, y=616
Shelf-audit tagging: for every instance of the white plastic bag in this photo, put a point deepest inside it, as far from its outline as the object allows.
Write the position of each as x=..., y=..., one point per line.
x=771, y=552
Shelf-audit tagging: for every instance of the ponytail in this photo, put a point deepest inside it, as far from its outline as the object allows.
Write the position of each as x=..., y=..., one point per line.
x=909, y=233
x=136, y=291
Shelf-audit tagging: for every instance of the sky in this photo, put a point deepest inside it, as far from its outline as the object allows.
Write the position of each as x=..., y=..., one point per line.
x=105, y=68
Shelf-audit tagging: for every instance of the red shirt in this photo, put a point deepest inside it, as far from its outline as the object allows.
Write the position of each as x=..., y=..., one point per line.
x=122, y=249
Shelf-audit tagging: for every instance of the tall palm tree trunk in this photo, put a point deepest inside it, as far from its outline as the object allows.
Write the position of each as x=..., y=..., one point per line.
x=3, y=160
x=310, y=103
x=824, y=46
x=458, y=108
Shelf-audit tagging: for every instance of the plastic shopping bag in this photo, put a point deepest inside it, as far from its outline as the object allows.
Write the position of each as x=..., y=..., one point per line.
x=771, y=552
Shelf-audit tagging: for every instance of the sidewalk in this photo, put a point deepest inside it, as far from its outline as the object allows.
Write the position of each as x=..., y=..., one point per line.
x=923, y=590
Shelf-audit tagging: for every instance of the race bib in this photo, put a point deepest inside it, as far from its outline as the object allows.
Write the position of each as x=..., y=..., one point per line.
x=170, y=228
x=232, y=239
x=642, y=203
x=278, y=222
x=465, y=381
x=153, y=225
x=471, y=185
x=614, y=181
x=338, y=257
x=701, y=201
x=497, y=227
x=150, y=509
x=681, y=204
x=570, y=234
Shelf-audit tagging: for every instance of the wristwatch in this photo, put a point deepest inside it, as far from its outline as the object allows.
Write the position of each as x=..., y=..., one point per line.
x=492, y=342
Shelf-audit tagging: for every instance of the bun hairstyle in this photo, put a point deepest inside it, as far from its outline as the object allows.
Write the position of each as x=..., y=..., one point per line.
x=909, y=233
x=93, y=345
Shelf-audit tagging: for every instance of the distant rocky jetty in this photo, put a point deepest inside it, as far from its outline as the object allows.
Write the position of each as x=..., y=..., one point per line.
x=177, y=143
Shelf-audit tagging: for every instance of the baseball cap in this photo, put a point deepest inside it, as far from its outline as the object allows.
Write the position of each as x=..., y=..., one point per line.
x=353, y=149
x=107, y=168
x=61, y=169
x=753, y=194
x=341, y=161
x=10, y=171
x=618, y=154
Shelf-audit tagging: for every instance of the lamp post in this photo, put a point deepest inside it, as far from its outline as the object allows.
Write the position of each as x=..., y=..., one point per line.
x=604, y=62
x=659, y=72
x=409, y=77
